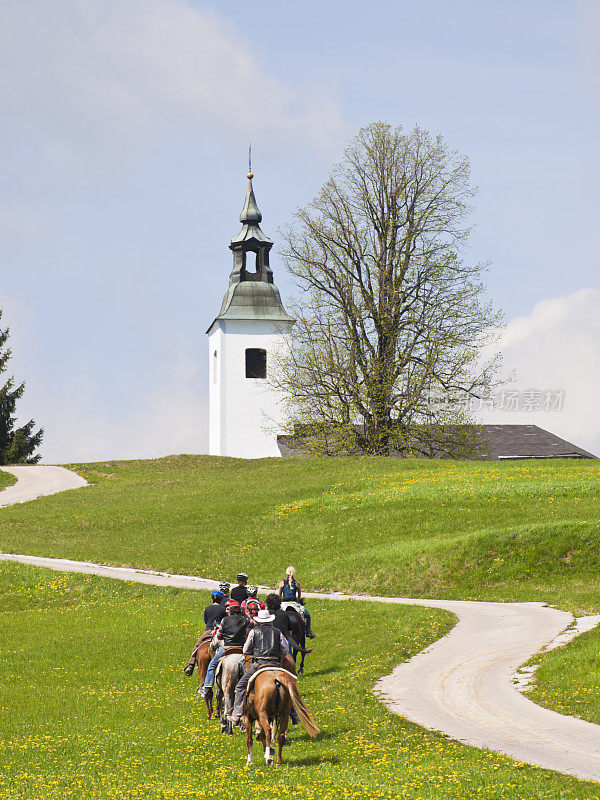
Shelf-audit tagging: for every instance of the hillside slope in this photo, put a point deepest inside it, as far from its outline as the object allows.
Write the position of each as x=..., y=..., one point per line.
x=502, y=531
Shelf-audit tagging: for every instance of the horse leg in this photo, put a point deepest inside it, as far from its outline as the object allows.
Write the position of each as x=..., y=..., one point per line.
x=228, y=710
x=266, y=729
x=220, y=706
x=301, y=667
x=248, y=724
x=208, y=699
x=284, y=718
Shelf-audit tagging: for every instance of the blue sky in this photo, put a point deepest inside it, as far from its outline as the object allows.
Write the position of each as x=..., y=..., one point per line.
x=124, y=140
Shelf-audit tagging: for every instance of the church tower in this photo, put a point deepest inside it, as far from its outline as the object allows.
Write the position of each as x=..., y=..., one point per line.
x=244, y=411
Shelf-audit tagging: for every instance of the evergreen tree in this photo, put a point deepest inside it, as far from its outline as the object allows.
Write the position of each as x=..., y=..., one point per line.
x=17, y=446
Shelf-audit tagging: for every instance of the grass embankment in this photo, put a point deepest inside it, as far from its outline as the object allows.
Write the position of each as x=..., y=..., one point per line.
x=498, y=531
x=6, y=479
x=94, y=706
x=568, y=679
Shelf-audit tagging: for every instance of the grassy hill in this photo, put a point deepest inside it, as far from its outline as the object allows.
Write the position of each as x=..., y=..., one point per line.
x=501, y=531
x=92, y=700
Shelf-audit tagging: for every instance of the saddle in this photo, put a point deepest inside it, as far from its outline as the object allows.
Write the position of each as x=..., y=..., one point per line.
x=229, y=651
x=267, y=669
x=297, y=607
x=205, y=637
x=286, y=663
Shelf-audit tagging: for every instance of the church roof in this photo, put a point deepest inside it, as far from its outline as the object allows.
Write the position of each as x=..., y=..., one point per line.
x=250, y=219
x=502, y=442
x=253, y=300
x=250, y=212
x=249, y=232
x=528, y=441
x=251, y=295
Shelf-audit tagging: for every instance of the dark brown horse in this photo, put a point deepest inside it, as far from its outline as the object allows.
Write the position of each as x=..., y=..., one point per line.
x=268, y=703
x=297, y=637
x=203, y=657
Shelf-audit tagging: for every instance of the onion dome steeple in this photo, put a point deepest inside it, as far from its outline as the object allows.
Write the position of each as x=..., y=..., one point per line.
x=252, y=293
x=250, y=212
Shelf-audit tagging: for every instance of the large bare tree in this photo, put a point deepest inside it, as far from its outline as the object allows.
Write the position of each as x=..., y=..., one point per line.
x=389, y=315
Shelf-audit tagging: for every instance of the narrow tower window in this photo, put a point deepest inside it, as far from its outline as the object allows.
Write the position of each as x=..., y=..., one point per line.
x=256, y=363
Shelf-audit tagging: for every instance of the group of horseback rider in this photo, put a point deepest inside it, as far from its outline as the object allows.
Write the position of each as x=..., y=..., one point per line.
x=239, y=619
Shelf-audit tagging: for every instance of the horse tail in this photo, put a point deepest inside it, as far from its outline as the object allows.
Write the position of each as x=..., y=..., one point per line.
x=306, y=719
x=298, y=647
x=278, y=698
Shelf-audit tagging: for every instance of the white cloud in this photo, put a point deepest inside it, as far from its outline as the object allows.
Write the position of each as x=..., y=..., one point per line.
x=557, y=348
x=76, y=70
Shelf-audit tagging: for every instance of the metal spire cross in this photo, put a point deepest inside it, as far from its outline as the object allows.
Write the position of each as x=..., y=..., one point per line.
x=250, y=157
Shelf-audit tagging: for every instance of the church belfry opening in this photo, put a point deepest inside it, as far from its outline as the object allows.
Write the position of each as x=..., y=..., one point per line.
x=251, y=247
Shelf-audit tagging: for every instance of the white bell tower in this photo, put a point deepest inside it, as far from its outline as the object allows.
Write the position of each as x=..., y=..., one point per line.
x=245, y=412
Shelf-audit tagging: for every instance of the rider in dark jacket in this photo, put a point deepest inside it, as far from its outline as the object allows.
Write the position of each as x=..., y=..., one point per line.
x=232, y=633
x=267, y=645
x=239, y=593
x=213, y=614
x=282, y=620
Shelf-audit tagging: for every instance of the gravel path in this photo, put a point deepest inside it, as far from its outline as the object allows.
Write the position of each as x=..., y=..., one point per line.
x=33, y=482
x=461, y=685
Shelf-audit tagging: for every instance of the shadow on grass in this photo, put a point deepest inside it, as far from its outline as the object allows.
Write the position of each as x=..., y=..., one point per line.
x=324, y=671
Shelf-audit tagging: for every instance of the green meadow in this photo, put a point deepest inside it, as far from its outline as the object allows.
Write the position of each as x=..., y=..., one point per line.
x=93, y=702
x=93, y=705
x=498, y=531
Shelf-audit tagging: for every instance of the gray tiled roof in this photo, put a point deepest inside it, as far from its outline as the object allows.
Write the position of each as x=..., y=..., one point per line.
x=529, y=441
x=504, y=441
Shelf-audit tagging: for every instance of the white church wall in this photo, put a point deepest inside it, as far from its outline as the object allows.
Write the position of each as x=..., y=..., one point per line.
x=215, y=388
x=245, y=413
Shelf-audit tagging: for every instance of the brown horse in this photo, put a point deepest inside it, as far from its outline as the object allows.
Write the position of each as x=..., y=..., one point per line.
x=268, y=702
x=203, y=657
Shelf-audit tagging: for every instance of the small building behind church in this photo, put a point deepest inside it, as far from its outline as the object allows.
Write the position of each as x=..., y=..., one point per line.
x=498, y=443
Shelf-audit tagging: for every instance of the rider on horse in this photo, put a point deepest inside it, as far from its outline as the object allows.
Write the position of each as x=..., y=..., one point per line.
x=239, y=593
x=224, y=589
x=267, y=645
x=282, y=620
x=213, y=614
x=252, y=605
x=290, y=592
x=230, y=633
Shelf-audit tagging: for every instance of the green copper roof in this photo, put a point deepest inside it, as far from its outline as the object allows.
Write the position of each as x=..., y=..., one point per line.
x=250, y=218
x=253, y=300
x=251, y=294
x=249, y=232
x=250, y=212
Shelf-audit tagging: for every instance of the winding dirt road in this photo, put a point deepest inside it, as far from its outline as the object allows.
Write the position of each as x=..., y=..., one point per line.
x=461, y=685
x=33, y=482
